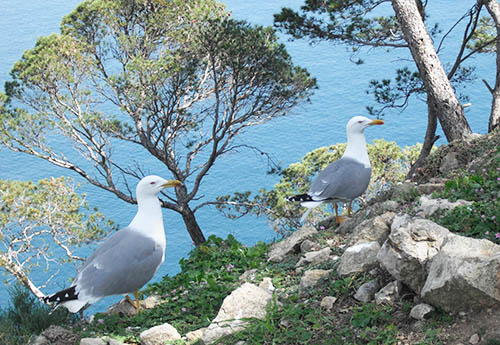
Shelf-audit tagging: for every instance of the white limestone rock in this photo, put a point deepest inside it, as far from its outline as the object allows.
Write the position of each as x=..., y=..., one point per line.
x=408, y=249
x=464, y=275
x=291, y=244
x=429, y=206
x=158, y=335
x=421, y=311
x=248, y=301
x=358, y=258
x=311, y=278
x=315, y=257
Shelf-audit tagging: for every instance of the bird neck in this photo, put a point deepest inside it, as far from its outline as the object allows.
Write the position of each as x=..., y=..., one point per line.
x=149, y=220
x=356, y=148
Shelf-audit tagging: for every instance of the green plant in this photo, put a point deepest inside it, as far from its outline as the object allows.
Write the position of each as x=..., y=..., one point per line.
x=482, y=218
x=26, y=317
x=369, y=315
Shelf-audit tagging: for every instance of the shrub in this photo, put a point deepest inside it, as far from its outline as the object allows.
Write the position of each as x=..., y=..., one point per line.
x=27, y=317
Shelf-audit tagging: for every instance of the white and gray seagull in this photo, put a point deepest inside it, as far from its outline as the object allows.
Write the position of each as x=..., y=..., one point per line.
x=128, y=259
x=346, y=178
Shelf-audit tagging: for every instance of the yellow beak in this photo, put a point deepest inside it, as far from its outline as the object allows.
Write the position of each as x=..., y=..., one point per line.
x=172, y=183
x=376, y=122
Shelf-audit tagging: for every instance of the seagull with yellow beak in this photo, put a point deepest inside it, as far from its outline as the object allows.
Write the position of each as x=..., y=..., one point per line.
x=128, y=259
x=346, y=178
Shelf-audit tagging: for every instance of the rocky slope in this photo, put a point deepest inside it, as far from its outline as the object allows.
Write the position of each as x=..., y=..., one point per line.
x=389, y=275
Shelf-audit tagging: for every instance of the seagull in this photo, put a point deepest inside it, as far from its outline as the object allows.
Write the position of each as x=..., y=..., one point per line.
x=125, y=261
x=346, y=178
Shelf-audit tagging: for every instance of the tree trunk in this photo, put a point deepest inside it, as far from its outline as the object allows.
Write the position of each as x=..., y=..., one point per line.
x=192, y=225
x=493, y=8
x=430, y=139
x=440, y=93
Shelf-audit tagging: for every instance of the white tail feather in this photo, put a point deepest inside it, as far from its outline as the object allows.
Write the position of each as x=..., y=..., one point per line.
x=74, y=305
x=310, y=205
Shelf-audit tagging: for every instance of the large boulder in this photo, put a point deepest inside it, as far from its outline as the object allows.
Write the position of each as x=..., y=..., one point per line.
x=408, y=249
x=248, y=301
x=291, y=244
x=464, y=275
x=358, y=258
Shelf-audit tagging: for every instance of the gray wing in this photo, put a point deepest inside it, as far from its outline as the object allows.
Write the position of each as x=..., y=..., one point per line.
x=344, y=179
x=122, y=264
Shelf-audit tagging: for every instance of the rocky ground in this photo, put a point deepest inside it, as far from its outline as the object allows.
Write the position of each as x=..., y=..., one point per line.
x=388, y=275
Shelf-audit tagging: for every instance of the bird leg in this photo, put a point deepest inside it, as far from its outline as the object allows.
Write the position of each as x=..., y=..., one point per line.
x=338, y=219
x=349, y=209
x=137, y=303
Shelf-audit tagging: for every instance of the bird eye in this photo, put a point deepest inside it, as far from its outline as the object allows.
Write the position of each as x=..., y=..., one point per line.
x=360, y=121
x=152, y=182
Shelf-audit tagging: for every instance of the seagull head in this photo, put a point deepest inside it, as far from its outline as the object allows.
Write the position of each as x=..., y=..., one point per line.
x=152, y=185
x=358, y=124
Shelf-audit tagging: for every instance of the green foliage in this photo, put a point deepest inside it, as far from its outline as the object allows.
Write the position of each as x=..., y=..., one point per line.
x=51, y=203
x=27, y=317
x=44, y=221
x=484, y=38
x=389, y=164
x=370, y=314
x=482, y=187
x=343, y=21
x=193, y=296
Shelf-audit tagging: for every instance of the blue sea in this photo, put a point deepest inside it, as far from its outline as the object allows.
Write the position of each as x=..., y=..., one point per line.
x=341, y=94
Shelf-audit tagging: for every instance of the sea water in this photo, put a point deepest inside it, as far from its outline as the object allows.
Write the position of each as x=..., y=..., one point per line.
x=341, y=94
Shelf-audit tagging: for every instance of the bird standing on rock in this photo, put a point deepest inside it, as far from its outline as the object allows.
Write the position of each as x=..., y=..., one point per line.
x=128, y=259
x=346, y=178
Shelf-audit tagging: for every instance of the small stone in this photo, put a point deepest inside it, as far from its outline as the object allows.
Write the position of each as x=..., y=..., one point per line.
x=40, y=340
x=419, y=325
x=311, y=278
x=474, y=339
x=308, y=246
x=159, y=335
x=367, y=291
x=110, y=341
x=389, y=294
x=267, y=284
x=248, y=275
x=314, y=257
x=150, y=302
x=92, y=341
x=328, y=302
x=420, y=311
x=193, y=336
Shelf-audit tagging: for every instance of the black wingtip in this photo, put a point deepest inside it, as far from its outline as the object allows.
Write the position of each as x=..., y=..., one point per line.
x=68, y=294
x=300, y=198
